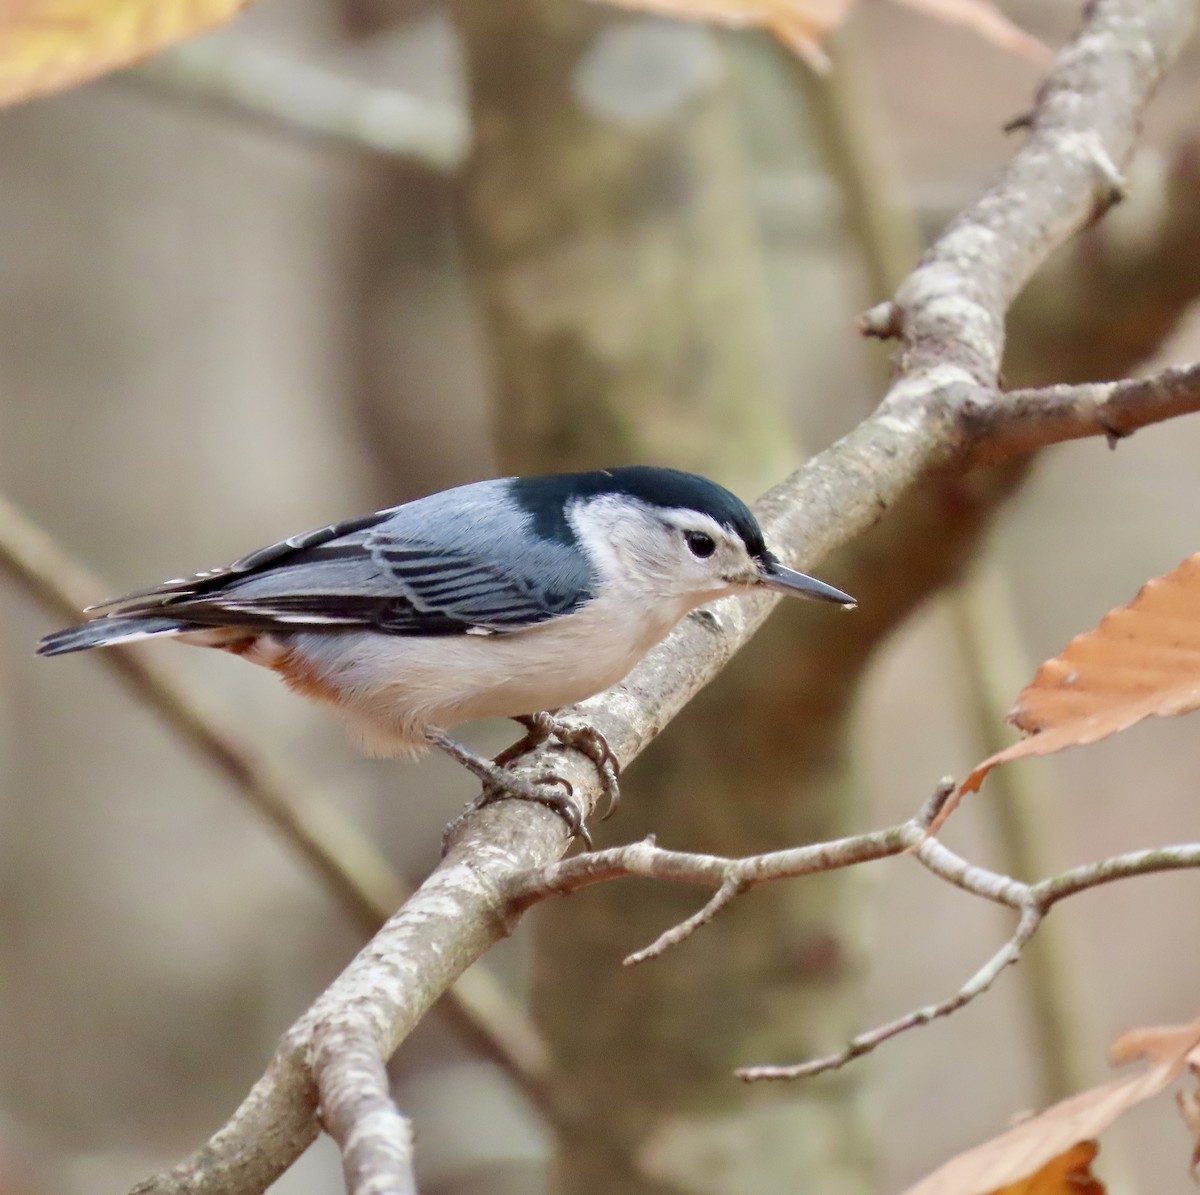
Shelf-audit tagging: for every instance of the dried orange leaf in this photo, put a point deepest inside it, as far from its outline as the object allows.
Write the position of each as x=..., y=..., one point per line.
x=1028, y=1147
x=1068, y=1174
x=989, y=22
x=1142, y=660
x=46, y=45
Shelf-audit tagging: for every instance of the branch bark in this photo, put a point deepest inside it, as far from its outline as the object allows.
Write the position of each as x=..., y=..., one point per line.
x=950, y=315
x=1027, y=419
x=356, y=1110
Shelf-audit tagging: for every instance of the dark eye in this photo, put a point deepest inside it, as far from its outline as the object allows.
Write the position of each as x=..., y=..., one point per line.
x=699, y=544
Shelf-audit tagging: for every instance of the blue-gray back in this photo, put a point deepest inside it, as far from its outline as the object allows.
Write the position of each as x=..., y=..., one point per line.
x=459, y=561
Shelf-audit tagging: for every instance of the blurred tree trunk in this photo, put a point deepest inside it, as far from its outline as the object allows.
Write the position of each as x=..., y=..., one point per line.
x=608, y=222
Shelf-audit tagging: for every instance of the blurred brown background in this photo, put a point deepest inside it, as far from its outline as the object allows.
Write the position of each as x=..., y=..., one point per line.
x=215, y=331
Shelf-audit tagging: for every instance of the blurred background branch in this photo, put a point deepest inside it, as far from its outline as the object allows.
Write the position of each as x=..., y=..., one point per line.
x=311, y=101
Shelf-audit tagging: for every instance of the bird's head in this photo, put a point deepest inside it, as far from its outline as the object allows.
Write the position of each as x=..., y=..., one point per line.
x=667, y=536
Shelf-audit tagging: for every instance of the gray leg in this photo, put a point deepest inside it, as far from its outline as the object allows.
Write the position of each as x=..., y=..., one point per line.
x=498, y=784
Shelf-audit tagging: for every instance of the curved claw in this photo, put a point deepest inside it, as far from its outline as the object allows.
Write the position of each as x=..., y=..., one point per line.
x=545, y=789
x=585, y=739
x=550, y=778
x=612, y=789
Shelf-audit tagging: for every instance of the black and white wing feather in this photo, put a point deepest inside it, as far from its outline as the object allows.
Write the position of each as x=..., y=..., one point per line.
x=459, y=562
x=180, y=588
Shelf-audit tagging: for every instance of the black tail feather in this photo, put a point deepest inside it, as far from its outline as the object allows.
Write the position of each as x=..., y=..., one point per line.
x=102, y=632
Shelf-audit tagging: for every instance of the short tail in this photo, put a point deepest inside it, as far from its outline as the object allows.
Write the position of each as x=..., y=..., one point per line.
x=104, y=632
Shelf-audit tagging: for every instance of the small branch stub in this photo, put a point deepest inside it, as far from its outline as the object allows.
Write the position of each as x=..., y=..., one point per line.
x=884, y=321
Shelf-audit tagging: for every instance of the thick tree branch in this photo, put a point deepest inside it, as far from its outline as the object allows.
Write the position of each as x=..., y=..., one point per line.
x=950, y=314
x=951, y=310
x=381, y=996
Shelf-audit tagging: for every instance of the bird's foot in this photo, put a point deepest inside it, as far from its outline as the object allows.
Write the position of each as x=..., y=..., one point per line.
x=585, y=739
x=498, y=784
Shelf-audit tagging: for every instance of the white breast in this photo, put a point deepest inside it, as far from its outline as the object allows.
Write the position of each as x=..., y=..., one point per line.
x=393, y=687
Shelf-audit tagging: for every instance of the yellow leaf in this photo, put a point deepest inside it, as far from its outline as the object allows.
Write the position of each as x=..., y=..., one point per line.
x=47, y=45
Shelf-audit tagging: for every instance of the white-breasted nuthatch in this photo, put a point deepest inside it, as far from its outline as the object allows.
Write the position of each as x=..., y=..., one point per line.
x=505, y=598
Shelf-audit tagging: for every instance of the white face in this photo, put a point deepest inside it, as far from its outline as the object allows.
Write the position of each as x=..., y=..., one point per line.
x=663, y=554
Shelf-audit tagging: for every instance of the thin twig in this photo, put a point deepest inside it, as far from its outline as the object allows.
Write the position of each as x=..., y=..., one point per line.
x=1180, y=857
x=303, y=98
x=864, y=1043
x=1033, y=900
x=731, y=888
x=730, y=877
x=649, y=861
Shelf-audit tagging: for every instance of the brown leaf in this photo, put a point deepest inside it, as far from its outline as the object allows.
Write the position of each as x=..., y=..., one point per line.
x=47, y=45
x=1068, y=1174
x=1142, y=660
x=803, y=25
x=1032, y=1145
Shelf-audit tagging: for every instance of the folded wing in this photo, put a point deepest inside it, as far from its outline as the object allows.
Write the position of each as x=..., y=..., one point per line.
x=383, y=572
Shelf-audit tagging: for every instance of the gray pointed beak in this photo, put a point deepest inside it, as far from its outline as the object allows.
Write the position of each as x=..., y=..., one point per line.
x=774, y=576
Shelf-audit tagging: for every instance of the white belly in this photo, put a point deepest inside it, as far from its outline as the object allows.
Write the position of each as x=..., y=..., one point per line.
x=392, y=687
